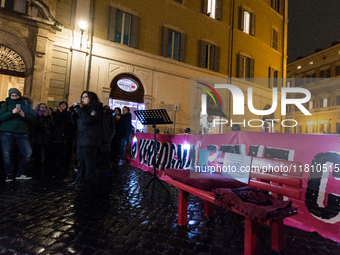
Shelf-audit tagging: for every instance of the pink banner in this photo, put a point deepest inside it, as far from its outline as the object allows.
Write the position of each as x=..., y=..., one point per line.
x=319, y=207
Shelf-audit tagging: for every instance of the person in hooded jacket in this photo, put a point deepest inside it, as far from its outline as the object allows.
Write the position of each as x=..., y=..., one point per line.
x=62, y=139
x=89, y=136
x=15, y=116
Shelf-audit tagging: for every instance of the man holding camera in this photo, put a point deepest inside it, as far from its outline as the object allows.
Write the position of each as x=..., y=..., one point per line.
x=15, y=115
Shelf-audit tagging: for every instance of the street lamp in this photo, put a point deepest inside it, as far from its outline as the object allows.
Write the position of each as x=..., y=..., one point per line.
x=82, y=27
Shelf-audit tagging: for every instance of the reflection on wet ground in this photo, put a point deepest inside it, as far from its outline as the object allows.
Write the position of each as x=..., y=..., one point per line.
x=45, y=216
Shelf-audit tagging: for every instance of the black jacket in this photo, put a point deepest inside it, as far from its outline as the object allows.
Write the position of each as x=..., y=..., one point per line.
x=124, y=126
x=108, y=126
x=89, y=125
x=42, y=129
x=63, y=129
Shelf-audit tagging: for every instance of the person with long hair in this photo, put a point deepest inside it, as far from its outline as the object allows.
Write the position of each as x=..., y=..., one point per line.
x=88, y=118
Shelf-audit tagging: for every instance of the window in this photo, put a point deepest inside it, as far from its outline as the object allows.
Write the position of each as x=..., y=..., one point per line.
x=275, y=39
x=173, y=44
x=245, y=67
x=213, y=8
x=276, y=5
x=246, y=21
x=325, y=73
x=14, y=5
x=300, y=129
x=323, y=128
x=310, y=78
x=272, y=75
x=123, y=28
x=310, y=105
x=209, y=56
x=337, y=70
x=324, y=102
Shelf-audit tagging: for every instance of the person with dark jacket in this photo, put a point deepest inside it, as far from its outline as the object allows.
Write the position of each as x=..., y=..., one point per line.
x=15, y=116
x=89, y=136
x=124, y=132
x=108, y=125
x=42, y=138
x=115, y=140
x=62, y=138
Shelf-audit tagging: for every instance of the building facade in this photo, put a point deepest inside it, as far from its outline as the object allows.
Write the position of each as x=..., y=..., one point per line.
x=319, y=73
x=141, y=53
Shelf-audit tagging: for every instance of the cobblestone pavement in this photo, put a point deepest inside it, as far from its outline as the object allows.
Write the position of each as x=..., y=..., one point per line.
x=45, y=216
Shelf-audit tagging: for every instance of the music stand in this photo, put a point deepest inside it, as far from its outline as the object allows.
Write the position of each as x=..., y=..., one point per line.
x=153, y=117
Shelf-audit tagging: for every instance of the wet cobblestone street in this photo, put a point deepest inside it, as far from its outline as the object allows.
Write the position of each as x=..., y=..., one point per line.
x=46, y=216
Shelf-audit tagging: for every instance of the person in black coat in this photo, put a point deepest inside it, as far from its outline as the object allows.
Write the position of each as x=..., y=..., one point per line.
x=42, y=138
x=124, y=132
x=115, y=140
x=62, y=139
x=89, y=136
x=108, y=125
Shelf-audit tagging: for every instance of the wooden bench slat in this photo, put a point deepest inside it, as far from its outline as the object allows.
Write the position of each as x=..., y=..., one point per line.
x=206, y=195
x=292, y=192
x=294, y=182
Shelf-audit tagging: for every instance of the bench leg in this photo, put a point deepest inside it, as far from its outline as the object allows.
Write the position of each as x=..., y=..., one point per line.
x=183, y=208
x=277, y=236
x=250, y=236
x=208, y=209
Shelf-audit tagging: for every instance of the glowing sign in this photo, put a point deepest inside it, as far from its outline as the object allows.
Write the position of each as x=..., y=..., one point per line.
x=127, y=85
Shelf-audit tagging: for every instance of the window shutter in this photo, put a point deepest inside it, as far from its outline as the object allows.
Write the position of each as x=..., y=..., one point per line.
x=251, y=68
x=269, y=77
x=202, y=55
x=240, y=18
x=205, y=6
x=252, y=23
x=240, y=66
x=112, y=24
x=182, y=47
x=165, y=37
x=217, y=59
x=134, y=31
x=218, y=9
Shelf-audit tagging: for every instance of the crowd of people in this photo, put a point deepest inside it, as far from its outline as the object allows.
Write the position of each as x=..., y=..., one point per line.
x=87, y=132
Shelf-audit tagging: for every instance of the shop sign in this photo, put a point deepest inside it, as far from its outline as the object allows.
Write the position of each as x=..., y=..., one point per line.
x=127, y=85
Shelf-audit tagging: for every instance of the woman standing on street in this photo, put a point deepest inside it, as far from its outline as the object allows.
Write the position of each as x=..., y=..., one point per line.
x=89, y=138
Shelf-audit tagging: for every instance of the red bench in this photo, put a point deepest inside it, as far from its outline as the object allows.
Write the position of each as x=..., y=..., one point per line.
x=279, y=184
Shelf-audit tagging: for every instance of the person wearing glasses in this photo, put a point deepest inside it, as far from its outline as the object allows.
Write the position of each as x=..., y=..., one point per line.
x=88, y=118
x=15, y=117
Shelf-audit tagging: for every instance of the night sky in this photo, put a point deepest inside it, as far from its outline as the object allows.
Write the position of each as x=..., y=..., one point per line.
x=312, y=24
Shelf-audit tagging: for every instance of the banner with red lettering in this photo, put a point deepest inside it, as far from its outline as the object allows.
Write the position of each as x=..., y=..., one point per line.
x=319, y=207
